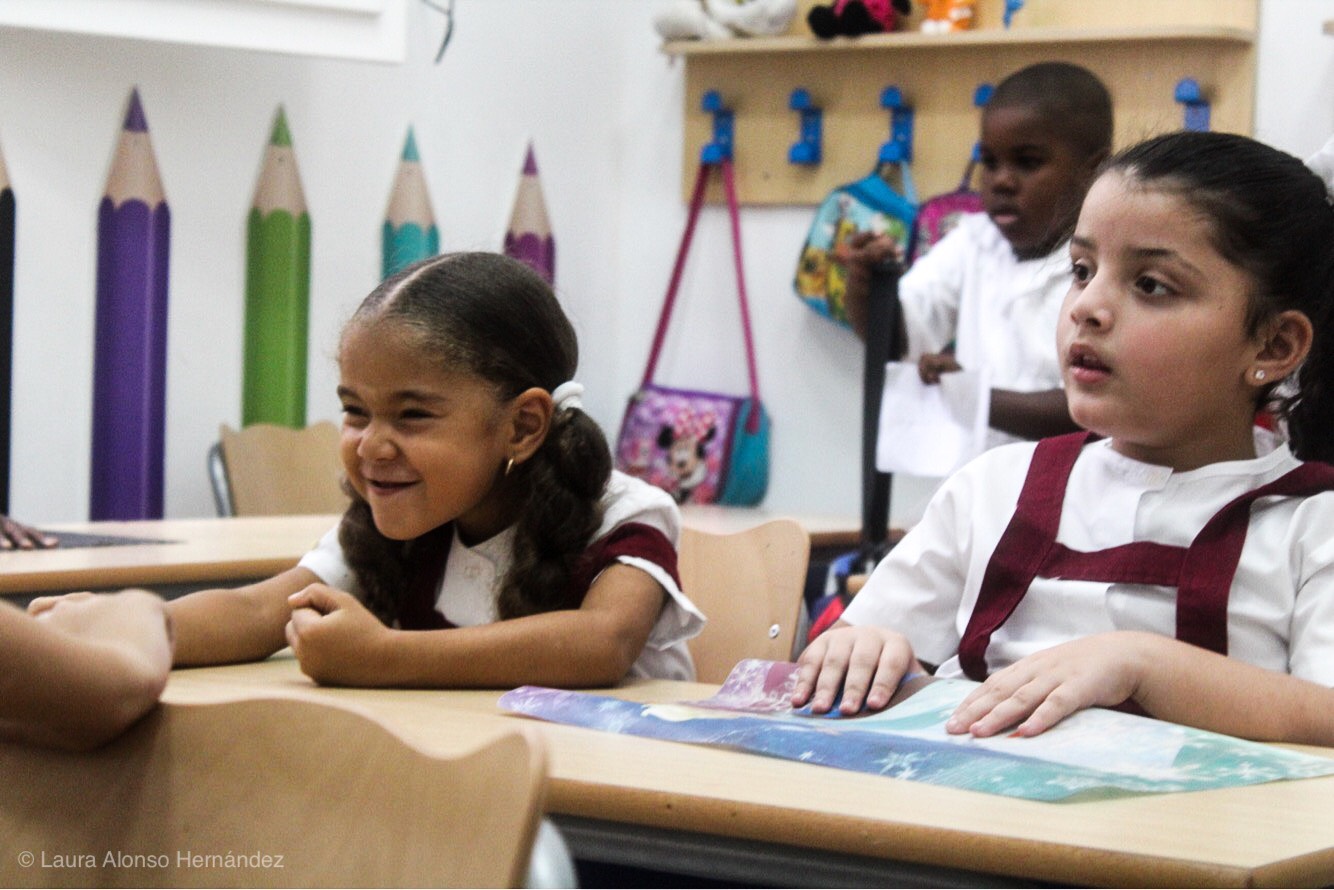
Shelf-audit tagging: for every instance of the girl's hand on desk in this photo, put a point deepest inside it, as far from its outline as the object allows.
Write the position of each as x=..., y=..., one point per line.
x=866, y=662
x=333, y=635
x=1039, y=691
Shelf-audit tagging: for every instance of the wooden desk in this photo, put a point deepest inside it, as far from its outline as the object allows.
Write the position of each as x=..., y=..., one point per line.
x=741, y=817
x=203, y=552
x=197, y=553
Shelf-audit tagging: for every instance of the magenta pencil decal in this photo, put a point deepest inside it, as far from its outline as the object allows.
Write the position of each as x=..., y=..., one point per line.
x=529, y=235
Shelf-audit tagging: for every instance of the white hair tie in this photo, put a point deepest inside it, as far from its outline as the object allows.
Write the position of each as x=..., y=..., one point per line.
x=1322, y=163
x=567, y=395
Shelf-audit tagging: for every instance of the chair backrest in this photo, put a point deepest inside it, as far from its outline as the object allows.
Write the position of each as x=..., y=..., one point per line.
x=269, y=792
x=749, y=585
x=273, y=470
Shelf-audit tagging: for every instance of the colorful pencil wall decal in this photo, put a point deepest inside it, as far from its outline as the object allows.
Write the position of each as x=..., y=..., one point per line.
x=410, y=233
x=277, y=293
x=7, y=211
x=130, y=348
x=529, y=235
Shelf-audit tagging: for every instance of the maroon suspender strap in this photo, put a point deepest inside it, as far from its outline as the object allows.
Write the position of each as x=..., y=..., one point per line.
x=1022, y=548
x=1211, y=561
x=1202, y=573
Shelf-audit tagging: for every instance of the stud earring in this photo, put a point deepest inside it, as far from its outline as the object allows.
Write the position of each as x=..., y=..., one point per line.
x=1259, y=374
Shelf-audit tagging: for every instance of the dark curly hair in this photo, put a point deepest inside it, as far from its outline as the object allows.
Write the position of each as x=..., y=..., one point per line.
x=492, y=317
x=1270, y=215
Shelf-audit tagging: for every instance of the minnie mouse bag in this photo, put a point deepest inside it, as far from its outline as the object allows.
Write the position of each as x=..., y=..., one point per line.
x=702, y=447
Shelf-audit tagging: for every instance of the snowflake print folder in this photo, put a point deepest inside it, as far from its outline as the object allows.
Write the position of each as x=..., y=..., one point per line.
x=1094, y=753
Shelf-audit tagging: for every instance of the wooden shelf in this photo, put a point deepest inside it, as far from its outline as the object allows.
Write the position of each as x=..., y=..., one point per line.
x=937, y=74
x=981, y=38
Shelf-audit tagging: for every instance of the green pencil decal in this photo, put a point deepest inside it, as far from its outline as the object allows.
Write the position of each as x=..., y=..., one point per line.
x=277, y=289
x=409, y=233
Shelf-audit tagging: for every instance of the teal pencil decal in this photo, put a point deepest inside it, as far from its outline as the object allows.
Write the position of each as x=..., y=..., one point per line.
x=130, y=352
x=277, y=292
x=7, y=221
x=410, y=233
x=529, y=236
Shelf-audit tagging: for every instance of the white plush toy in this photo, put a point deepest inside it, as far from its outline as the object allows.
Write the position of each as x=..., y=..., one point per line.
x=724, y=19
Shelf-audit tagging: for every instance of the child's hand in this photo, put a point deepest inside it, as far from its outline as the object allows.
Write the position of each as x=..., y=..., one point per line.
x=932, y=364
x=1039, y=691
x=334, y=636
x=866, y=250
x=867, y=663
x=133, y=622
x=16, y=535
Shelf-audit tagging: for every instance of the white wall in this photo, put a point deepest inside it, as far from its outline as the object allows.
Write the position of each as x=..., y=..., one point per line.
x=582, y=78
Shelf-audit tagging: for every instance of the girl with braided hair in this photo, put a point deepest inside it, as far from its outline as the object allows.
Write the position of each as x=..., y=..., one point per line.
x=489, y=542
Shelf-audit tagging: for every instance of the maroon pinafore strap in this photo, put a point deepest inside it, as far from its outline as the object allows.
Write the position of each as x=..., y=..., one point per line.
x=1202, y=572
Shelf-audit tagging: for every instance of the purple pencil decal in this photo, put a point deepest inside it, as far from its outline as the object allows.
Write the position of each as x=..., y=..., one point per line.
x=130, y=354
x=529, y=236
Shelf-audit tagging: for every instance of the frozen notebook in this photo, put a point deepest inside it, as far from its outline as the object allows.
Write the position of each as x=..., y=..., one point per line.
x=1092, y=754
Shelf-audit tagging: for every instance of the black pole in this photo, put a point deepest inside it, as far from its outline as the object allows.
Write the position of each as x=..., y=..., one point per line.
x=882, y=345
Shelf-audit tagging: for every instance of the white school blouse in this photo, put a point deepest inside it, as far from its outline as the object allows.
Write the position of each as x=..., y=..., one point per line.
x=468, y=591
x=1281, y=608
x=1000, y=312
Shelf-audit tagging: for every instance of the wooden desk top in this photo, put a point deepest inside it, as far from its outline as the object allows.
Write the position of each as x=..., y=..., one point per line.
x=200, y=551
x=1278, y=834
x=232, y=550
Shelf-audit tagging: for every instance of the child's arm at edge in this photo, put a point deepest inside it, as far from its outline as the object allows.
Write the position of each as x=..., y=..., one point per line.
x=80, y=676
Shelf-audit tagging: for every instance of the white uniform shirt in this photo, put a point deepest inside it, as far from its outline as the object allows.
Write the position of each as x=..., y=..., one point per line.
x=468, y=591
x=1000, y=311
x=1281, y=609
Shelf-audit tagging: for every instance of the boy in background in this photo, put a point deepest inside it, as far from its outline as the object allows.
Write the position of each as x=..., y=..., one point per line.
x=988, y=294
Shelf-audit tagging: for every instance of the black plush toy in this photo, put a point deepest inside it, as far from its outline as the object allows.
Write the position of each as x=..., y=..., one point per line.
x=850, y=18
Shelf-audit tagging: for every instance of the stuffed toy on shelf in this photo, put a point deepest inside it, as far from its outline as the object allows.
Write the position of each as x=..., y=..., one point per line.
x=852, y=18
x=724, y=19
x=944, y=16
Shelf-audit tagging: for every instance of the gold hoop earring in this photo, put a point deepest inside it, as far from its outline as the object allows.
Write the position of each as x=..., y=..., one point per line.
x=509, y=465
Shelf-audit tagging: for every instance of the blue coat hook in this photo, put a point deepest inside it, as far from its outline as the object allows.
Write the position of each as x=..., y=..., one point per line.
x=806, y=150
x=720, y=149
x=1188, y=93
x=899, y=147
x=981, y=96
x=1011, y=7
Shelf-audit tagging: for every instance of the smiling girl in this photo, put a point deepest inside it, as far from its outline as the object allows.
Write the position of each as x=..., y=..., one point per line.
x=489, y=542
x=1181, y=565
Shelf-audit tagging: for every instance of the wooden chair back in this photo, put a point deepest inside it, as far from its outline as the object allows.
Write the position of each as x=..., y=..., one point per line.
x=274, y=470
x=269, y=793
x=749, y=585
